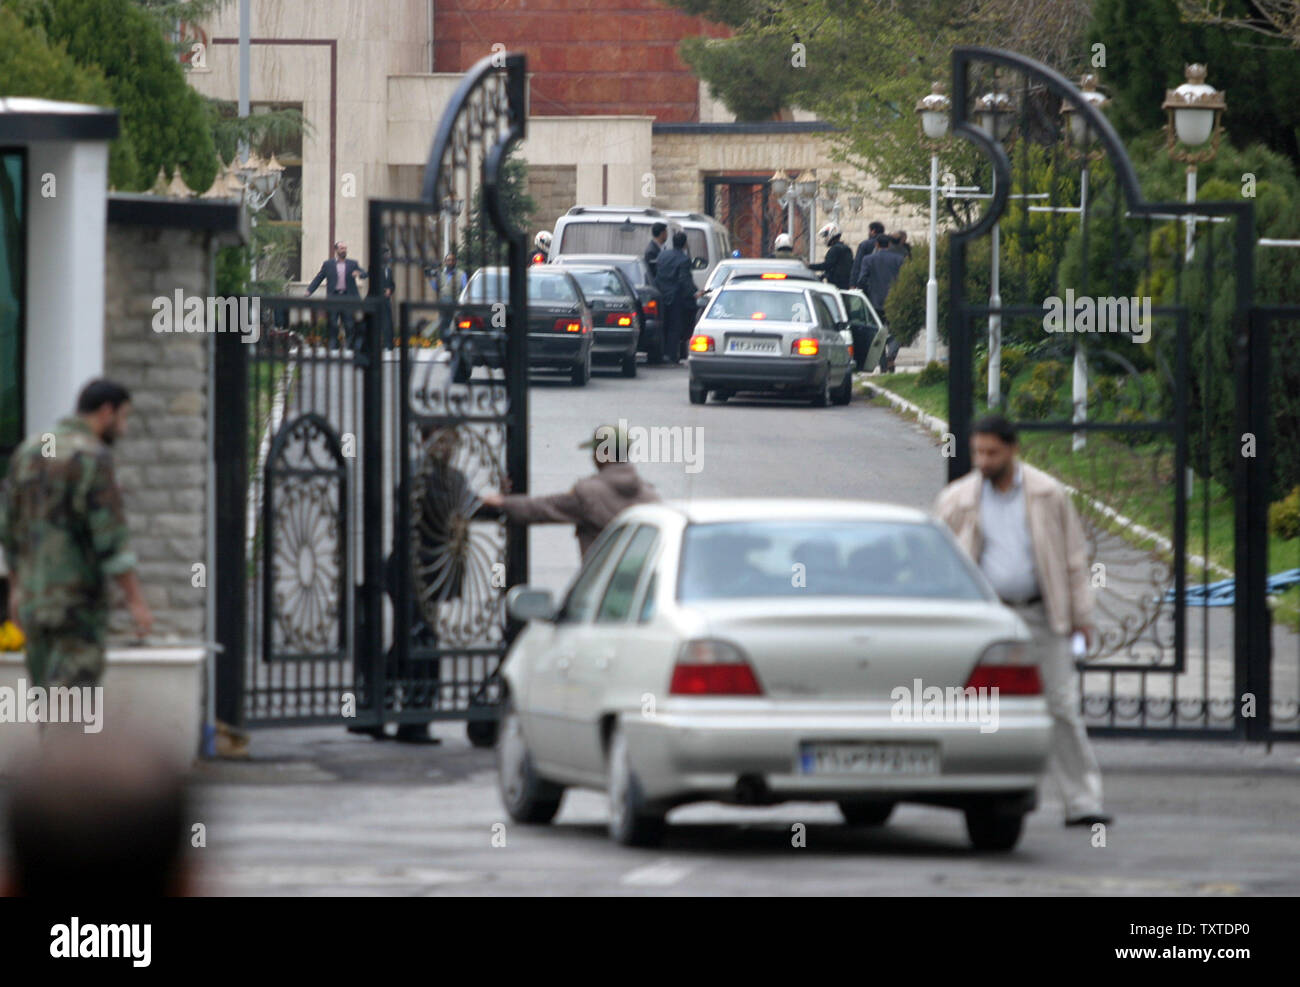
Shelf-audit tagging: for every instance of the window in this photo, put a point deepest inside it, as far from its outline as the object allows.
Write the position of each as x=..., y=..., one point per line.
x=857, y=309
x=13, y=240
x=581, y=601
x=617, y=603
x=737, y=560
x=600, y=283
x=824, y=314
x=751, y=305
x=648, y=603
x=493, y=285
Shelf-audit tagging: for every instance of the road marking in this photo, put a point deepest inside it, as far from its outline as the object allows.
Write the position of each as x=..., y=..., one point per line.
x=659, y=874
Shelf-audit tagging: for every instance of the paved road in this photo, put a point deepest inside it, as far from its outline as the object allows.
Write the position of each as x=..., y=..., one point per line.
x=318, y=811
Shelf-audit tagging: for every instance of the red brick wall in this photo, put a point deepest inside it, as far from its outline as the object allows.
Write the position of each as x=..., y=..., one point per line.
x=585, y=56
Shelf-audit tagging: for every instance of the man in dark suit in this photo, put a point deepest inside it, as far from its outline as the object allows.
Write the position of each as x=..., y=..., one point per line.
x=876, y=229
x=340, y=278
x=658, y=236
x=677, y=290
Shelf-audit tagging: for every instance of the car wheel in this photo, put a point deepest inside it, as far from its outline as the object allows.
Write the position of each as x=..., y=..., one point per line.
x=844, y=393
x=990, y=828
x=629, y=364
x=698, y=393
x=527, y=797
x=582, y=372
x=866, y=813
x=822, y=398
x=629, y=821
x=721, y=396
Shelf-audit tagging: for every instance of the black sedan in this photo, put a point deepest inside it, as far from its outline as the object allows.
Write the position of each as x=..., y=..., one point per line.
x=637, y=273
x=559, y=323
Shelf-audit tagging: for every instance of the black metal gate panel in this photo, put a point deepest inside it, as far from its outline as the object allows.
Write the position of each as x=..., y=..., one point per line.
x=1099, y=340
x=360, y=578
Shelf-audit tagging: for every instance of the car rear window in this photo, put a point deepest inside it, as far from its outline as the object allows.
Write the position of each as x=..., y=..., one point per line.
x=742, y=559
x=543, y=286
x=752, y=305
x=600, y=283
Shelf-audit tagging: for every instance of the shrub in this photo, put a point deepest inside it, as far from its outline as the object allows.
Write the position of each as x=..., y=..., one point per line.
x=1033, y=400
x=1284, y=516
x=1103, y=390
x=932, y=373
x=1051, y=373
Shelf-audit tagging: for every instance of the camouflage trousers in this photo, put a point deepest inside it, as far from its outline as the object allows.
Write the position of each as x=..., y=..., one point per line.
x=71, y=654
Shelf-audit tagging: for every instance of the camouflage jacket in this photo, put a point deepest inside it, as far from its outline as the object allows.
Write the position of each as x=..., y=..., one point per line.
x=62, y=525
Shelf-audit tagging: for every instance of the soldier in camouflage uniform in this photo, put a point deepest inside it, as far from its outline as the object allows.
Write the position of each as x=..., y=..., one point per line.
x=64, y=535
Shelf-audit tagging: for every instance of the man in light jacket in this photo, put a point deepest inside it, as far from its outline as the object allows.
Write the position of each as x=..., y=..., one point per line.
x=594, y=501
x=1020, y=526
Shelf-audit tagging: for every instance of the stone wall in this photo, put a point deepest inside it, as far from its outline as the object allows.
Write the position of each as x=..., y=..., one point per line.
x=682, y=161
x=555, y=189
x=162, y=462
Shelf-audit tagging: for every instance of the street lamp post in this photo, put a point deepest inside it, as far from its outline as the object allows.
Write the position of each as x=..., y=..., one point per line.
x=934, y=112
x=801, y=191
x=1195, y=115
x=995, y=113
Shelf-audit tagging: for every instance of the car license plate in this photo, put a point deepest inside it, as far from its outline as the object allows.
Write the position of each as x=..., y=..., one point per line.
x=868, y=759
x=753, y=346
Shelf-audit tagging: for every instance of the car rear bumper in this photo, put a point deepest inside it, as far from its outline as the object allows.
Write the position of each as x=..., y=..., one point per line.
x=758, y=373
x=692, y=756
x=557, y=349
x=613, y=344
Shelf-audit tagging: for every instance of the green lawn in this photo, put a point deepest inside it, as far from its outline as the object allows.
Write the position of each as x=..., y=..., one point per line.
x=1121, y=475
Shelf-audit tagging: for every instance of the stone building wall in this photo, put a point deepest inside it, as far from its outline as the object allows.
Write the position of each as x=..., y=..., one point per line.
x=162, y=462
x=555, y=189
x=681, y=161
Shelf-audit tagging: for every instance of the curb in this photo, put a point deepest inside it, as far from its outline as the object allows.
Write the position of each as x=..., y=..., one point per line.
x=940, y=427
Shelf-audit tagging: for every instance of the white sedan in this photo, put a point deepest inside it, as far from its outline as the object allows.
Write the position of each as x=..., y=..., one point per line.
x=760, y=651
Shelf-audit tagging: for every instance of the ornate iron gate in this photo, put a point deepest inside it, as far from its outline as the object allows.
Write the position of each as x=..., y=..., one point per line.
x=1096, y=289
x=360, y=579
x=750, y=212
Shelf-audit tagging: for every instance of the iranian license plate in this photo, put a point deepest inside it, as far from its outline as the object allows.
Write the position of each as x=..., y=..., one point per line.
x=753, y=346
x=868, y=758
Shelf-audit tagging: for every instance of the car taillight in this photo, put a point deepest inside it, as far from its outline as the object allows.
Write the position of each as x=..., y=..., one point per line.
x=569, y=325
x=1005, y=666
x=652, y=306
x=713, y=668
x=701, y=344
x=618, y=319
x=806, y=346
x=469, y=322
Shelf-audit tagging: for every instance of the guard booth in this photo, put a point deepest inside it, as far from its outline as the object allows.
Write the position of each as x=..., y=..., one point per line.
x=361, y=582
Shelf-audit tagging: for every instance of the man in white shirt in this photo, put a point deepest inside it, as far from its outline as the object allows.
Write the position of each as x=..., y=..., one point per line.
x=1021, y=527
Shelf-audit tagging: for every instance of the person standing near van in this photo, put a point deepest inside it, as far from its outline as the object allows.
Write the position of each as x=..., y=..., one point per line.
x=658, y=236
x=677, y=290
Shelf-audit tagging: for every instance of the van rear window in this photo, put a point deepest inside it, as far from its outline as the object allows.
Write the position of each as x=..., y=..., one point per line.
x=615, y=238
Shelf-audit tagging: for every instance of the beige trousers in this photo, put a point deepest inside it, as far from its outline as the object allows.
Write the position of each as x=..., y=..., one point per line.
x=1070, y=761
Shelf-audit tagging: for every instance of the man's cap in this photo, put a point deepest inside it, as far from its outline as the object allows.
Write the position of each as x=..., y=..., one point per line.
x=613, y=436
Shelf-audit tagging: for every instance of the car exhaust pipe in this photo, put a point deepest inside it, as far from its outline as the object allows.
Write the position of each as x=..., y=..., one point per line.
x=752, y=790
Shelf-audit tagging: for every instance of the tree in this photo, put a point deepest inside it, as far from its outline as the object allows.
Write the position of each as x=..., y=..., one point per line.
x=162, y=117
x=862, y=64
x=1148, y=43
x=481, y=247
x=31, y=66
